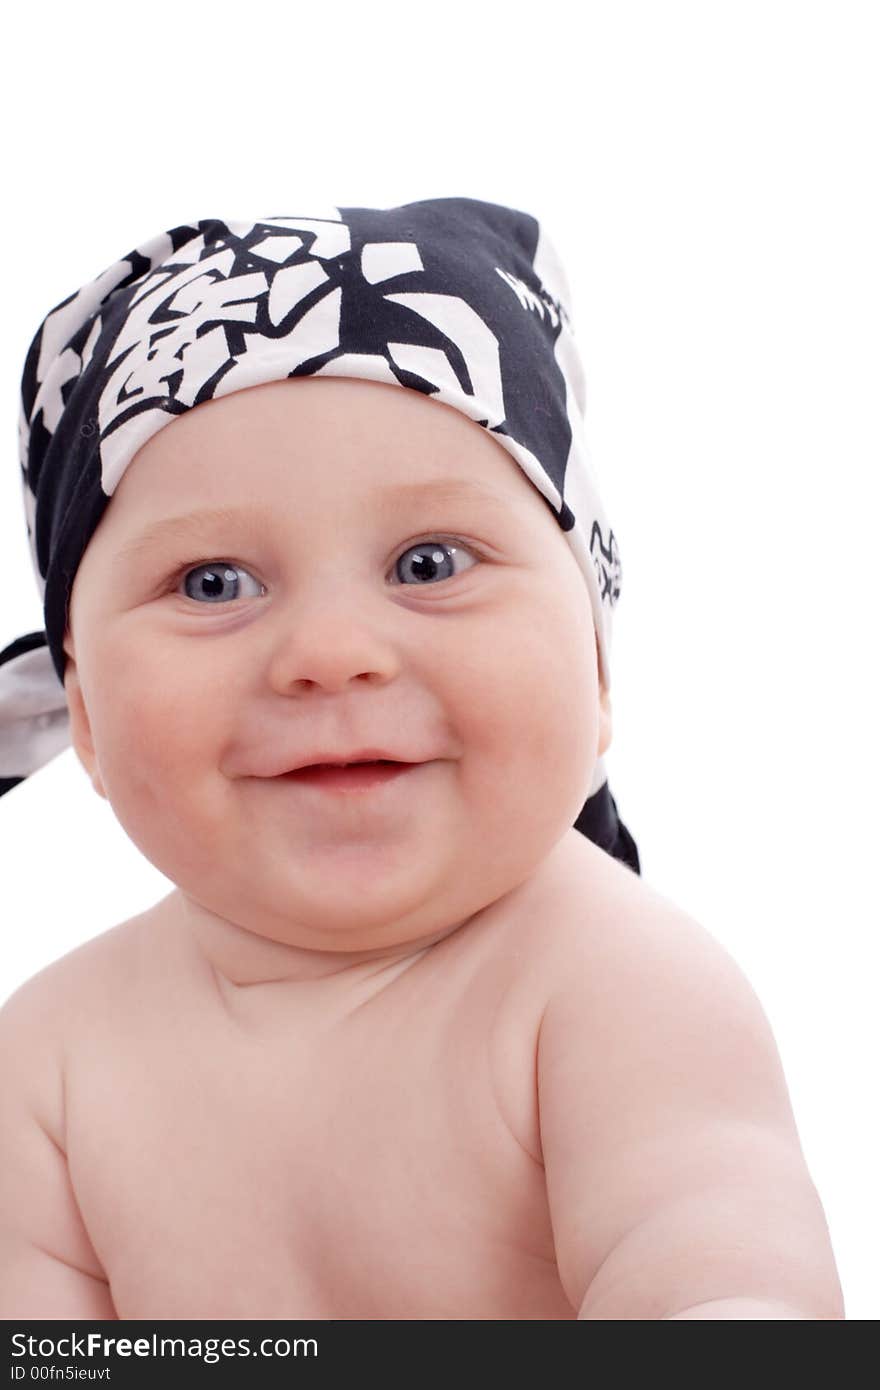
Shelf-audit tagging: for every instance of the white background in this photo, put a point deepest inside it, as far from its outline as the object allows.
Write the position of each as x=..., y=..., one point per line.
x=708, y=172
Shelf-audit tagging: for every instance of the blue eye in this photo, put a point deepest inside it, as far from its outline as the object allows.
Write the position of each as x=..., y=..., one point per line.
x=218, y=577
x=426, y=566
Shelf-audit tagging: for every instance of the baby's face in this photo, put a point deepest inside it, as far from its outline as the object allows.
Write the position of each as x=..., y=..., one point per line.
x=333, y=626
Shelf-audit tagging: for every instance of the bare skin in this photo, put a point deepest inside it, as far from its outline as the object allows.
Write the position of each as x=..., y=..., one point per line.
x=361, y=1146
x=379, y=1142
x=428, y=1053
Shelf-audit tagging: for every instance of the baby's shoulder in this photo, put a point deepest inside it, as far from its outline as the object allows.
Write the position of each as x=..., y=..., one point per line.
x=45, y=1017
x=80, y=985
x=610, y=935
x=641, y=1000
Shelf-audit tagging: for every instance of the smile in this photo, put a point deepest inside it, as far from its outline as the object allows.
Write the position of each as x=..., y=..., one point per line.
x=357, y=777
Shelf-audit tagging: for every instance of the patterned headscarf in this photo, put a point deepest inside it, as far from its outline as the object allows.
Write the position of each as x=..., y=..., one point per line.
x=462, y=300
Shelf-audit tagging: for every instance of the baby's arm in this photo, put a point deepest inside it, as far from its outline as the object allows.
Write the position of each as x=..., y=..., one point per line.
x=48, y=1268
x=675, y=1177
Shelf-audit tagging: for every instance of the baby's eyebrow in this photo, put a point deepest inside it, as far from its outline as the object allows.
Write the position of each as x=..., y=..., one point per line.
x=399, y=494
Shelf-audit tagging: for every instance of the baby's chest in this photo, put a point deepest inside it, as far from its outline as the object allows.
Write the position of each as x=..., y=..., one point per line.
x=380, y=1169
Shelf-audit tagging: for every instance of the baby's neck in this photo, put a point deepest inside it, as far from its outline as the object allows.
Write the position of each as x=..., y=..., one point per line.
x=243, y=957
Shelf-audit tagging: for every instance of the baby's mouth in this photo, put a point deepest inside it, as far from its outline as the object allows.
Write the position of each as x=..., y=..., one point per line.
x=348, y=777
x=361, y=762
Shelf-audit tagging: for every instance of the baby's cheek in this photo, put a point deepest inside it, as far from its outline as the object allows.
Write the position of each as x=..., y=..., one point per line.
x=555, y=668
x=153, y=735
x=542, y=727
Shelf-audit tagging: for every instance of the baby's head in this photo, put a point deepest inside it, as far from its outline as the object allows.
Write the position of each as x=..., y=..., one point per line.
x=385, y=407
x=383, y=577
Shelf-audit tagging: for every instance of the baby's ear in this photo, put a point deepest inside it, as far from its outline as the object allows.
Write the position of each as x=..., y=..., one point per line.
x=605, y=720
x=80, y=728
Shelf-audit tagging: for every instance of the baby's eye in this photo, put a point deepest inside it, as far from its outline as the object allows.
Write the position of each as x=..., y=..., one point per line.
x=217, y=577
x=425, y=566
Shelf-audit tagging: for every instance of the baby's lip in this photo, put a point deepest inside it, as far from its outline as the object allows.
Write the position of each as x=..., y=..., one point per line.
x=352, y=778
x=325, y=758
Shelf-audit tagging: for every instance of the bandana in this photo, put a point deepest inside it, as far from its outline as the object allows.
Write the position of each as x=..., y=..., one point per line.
x=462, y=300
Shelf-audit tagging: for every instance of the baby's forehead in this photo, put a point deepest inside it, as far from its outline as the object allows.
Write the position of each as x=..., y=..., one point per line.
x=347, y=423
x=315, y=445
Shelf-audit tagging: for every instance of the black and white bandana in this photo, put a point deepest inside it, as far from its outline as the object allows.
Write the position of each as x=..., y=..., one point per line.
x=463, y=300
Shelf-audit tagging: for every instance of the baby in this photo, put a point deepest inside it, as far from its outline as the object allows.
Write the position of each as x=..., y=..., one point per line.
x=406, y=1040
